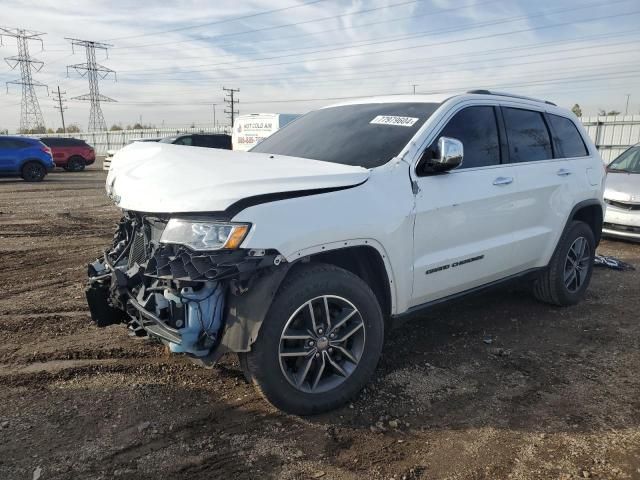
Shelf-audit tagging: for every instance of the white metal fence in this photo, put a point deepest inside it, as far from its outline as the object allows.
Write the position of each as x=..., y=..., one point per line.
x=113, y=140
x=613, y=135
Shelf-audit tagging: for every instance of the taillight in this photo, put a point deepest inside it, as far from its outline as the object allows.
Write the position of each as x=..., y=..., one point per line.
x=46, y=150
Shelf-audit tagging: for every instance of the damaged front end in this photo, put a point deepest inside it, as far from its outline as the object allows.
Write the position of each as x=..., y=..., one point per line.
x=184, y=282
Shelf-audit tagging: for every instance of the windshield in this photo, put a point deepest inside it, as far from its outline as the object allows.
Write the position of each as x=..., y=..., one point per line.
x=628, y=162
x=365, y=135
x=169, y=139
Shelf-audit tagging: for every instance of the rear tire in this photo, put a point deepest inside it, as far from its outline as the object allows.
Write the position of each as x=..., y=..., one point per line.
x=304, y=364
x=566, y=279
x=33, y=171
x=76, y=164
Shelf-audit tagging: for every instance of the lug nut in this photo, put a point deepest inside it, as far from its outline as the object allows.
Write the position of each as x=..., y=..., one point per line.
x=311, y=343
x=319, y=331
x=331, y=350
x=333, y=335
x=317, y=355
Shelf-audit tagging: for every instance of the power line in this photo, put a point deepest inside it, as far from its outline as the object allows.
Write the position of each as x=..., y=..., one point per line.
x=316, y=80
x=60, y=101
x=393, y=74
x=394, y=38
x=429, y=60
x=274, y=27
x=94, y=72
x=429, y=14
x=412, y=47
x=629, y=74
x=31, y=119
x=230, y=100
x=216, y=22
x=581, y=69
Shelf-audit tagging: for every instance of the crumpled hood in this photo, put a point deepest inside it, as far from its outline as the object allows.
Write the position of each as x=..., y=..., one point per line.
x=622, y=187
x=165, y=178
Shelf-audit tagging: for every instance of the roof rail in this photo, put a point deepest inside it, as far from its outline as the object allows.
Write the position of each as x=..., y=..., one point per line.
x=502, y=94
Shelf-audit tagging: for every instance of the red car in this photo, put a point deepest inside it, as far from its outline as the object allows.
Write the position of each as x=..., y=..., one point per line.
x=71, y=154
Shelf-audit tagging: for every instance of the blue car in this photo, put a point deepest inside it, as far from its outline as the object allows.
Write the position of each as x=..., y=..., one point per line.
x=26, y=157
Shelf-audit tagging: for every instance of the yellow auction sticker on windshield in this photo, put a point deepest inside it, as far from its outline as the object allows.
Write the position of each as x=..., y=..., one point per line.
x=393, y=120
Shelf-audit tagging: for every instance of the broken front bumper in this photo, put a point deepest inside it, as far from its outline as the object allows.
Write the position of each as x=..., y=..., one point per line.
x=195, y=302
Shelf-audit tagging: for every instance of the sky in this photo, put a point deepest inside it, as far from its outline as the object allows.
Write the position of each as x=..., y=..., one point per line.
x=172, y=59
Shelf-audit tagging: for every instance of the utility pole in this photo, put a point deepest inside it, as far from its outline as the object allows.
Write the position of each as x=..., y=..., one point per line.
x=626, y=108
x=60, y=107
x=414, y=85
x=214, y=116
x=94, y=72
x=31, y=119
x=231, y=101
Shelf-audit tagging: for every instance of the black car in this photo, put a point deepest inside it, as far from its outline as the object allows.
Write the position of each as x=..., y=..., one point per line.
x=215, y=140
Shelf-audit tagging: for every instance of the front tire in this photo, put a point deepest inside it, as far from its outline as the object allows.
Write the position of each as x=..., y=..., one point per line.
x=320, y=341
x=76, y=164
x=33, y=172
x=566, y=279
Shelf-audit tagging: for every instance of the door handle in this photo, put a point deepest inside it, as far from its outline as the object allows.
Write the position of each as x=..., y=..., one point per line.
x=563, y=172
x=503, y=181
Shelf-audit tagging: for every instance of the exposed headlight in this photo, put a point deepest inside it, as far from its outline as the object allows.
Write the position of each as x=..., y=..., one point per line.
x=200, y=235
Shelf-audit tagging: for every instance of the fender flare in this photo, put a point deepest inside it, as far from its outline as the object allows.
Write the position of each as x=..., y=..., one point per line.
x=245, y=312
x=358, y=242
x=576, y=207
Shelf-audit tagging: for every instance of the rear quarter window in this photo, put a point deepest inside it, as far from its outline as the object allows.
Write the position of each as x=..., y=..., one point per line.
x=567, y=137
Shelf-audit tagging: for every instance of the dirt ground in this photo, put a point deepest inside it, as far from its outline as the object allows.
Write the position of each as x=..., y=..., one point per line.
x=494, y=386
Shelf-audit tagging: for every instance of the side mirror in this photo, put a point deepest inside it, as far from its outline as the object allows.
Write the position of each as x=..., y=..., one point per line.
x=449, y=155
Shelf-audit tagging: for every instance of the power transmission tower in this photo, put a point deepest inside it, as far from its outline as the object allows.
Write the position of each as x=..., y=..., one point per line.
x=57, y=96
x=94, y=72
x=31, y=119
x=230, y=100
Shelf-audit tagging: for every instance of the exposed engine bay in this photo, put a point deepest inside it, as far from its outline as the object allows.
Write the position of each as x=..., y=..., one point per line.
x=172, y=293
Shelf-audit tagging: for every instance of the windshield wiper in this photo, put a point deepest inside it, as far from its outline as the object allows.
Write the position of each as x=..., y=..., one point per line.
x=624, y=170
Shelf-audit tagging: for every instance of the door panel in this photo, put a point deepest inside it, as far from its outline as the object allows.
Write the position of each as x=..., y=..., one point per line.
x=543, y=202
x=463, y=231
x=543, y=191
x=463, y=226
x=8, y=156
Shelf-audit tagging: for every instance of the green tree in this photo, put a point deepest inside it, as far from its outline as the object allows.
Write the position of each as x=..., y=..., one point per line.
x=73, y=128
x=577, y=110
x=38, y=130
x=115, y=128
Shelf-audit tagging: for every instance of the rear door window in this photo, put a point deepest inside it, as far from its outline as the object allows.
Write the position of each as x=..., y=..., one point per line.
x=51, y=142
x=477, y=129
x=527, y=135
x=186, y=140
x=213, y=141
x=567, y=137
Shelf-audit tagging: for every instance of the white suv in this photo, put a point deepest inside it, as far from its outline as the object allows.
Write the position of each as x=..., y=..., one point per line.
x=298, y=254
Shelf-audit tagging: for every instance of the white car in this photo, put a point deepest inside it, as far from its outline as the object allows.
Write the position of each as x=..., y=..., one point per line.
x=298, y=254
x=622, y=196
x=108, y=158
